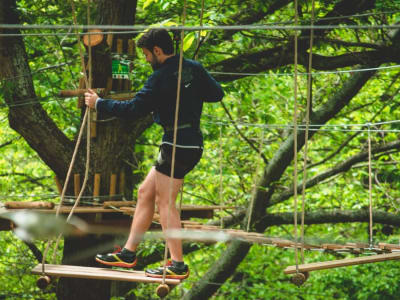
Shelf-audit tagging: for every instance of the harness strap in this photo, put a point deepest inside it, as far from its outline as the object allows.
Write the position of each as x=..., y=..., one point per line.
x=171, y=128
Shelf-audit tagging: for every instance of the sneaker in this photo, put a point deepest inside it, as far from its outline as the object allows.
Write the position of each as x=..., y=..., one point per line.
x=119, y=258
x=172, y=271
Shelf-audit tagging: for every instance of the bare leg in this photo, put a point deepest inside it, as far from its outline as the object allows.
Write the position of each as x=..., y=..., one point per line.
x=169, y=220
x=144, y=211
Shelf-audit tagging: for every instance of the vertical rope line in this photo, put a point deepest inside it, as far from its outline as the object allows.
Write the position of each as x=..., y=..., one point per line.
x=220, y=174
x=296, y=18
x=261, y=145
x=370, y=186
x=201, y=24
x=85, y=121
x=309, y=89
x=171, y=181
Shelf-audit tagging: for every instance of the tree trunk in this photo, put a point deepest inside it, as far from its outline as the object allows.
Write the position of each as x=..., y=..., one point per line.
x=111, y=149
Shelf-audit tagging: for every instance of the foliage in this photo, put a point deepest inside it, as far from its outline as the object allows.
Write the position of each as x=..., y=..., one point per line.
x=261, y=107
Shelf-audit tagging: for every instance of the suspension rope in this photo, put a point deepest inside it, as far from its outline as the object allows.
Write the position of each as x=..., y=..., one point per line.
x=370, y=188
x=197, y=28
x=221, y=198
x=261, y=145
x=178, y=96
x=295, y=135
x=308, y=109
x=201, y=24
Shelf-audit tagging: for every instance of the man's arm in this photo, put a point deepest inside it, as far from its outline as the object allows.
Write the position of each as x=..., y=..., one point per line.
x=211, y=89
x=143, y=103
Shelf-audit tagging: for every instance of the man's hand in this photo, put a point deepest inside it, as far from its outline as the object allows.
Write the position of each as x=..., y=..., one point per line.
x=90, y=98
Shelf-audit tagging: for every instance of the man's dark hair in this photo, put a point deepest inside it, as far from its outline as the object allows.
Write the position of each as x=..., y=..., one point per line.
x=157, y=37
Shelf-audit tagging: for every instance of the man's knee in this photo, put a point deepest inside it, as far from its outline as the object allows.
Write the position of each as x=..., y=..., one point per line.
x=144, y=192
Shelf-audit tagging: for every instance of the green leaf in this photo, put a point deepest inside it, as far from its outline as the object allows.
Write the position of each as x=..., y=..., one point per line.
x=188, y=41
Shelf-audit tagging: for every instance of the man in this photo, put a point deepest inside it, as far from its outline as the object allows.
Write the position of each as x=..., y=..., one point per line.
x=158, y=96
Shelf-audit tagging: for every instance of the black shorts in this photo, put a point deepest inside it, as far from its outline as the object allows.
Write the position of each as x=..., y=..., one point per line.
x=185, y=160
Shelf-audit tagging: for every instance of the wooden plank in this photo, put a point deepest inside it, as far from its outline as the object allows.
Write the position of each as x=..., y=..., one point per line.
x=99, y=273
x=29, y=205
x=118, y=203
x=342, y=263
x=81, y=210
x=389, y=247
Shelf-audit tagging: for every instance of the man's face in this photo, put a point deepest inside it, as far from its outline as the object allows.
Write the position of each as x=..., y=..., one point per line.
x=151, y=58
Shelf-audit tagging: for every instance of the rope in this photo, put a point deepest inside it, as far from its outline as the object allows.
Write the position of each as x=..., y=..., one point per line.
x=197, y=28
x=178, y=94
x=201, y=24
x=370, y=188
x=309, y=90
x=220, y=175
x=86, y=119
x=255, y=180
x=295, y=136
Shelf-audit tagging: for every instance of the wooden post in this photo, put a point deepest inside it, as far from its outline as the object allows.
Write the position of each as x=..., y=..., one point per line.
x=96, y=188
x=110, y=40
x=113, y=185
x=131, y=48
x=96, y=194
x=121, y=187
x=81, y=99
x=77, y=184
x=93, y=124
x=58, y=184
x=120, y=45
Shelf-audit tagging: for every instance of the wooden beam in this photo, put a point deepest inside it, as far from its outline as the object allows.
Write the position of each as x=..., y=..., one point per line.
x=342, y=263
x=30, y=205
x=80, y=92
x=118, y=203
x=99, y=273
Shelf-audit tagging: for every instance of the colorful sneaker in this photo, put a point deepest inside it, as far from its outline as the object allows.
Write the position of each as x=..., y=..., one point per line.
x=172, y=271
x=119, y=258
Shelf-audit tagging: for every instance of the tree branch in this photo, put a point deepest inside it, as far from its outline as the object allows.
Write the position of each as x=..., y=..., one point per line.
x=242, y=135
x=339, y=168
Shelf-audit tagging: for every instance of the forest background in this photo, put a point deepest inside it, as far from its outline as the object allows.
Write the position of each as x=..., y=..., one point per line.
x=249, y=139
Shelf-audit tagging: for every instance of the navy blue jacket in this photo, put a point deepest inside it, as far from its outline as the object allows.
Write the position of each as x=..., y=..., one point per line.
x=158, y=96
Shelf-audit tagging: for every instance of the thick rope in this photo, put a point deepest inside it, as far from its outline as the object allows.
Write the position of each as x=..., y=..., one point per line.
x=85, y=121
x=296, y=17
x=309, y=90
x=178, y=98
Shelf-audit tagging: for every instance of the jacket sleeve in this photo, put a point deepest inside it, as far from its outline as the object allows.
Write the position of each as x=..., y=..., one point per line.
x=143, y=103
x=211, y=90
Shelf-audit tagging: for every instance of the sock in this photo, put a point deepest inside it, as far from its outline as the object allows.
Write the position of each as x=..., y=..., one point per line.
x=128, y=253
x=178, y=264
